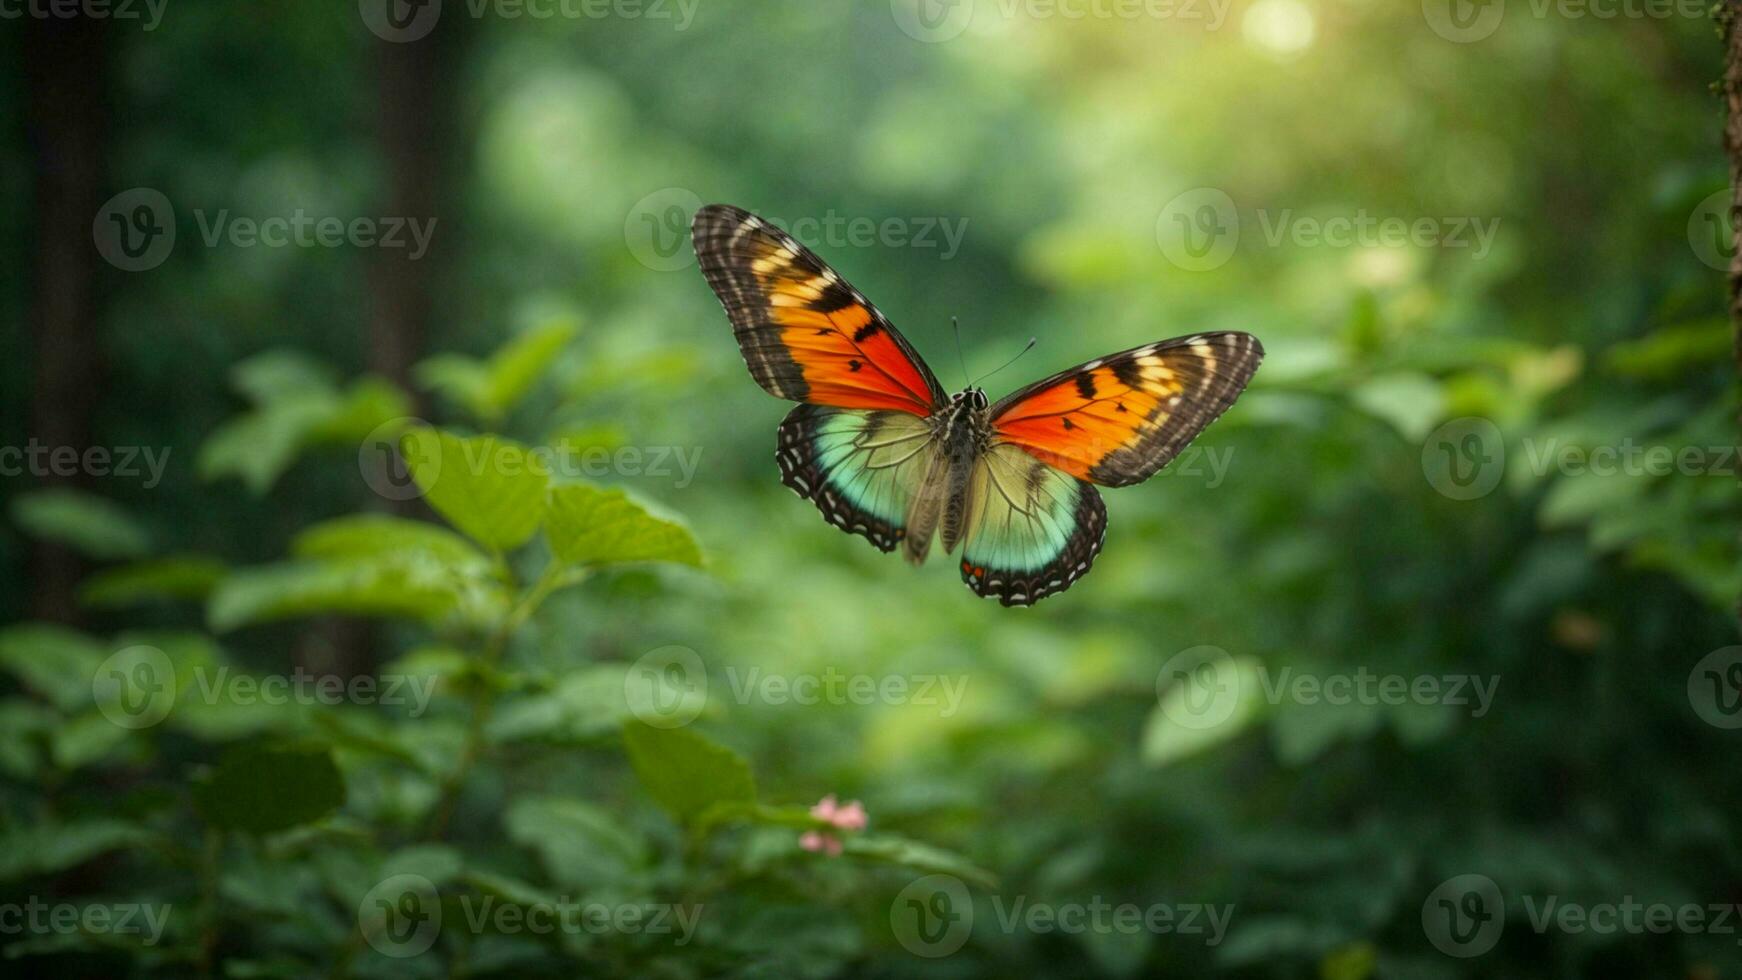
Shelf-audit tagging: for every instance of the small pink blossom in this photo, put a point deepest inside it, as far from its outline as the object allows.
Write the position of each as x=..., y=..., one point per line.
x=817, y=841
x=850, y=816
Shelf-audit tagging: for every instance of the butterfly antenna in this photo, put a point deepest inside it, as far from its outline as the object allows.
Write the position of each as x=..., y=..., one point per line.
x=960, y=360
x=1026, y=348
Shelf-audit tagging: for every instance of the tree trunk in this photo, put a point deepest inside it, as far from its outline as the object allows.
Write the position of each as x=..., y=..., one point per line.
x=66, y=76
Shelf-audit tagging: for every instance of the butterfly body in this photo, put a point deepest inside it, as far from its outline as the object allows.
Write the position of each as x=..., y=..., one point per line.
x=884, y=453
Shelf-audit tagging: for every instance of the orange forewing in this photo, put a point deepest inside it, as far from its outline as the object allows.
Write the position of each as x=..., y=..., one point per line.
x=1117, y=420
x=1060, y=426
x=805, y=333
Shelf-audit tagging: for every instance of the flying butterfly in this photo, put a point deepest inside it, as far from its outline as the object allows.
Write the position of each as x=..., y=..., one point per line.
x=884, y=452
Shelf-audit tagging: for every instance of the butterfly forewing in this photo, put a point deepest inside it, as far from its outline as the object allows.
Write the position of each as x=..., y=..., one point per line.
x=1117, y=420
x=806, y=334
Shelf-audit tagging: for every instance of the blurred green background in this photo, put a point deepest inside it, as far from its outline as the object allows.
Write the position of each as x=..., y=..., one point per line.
x=1413, y=486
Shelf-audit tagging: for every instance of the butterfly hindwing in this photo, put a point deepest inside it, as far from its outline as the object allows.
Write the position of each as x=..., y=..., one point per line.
x=806, y=334
x=1033, y=529
x=1117, y=420
x=861, y=468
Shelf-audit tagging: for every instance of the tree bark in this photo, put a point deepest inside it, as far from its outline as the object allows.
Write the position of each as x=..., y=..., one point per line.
x=66, y=126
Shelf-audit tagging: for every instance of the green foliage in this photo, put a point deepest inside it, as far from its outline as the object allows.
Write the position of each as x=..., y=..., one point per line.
x=529, y=600
x=592, y=526
x=489, y=389
x=685, y=773
x=296, y=407
x=489, y=488
x=264, y=788
x=89, y=524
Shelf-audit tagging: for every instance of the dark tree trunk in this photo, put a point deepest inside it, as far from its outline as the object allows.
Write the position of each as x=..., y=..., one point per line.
x=66, y=76
x=418, y=126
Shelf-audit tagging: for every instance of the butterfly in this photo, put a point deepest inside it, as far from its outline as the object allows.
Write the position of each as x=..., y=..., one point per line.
x=884, y=452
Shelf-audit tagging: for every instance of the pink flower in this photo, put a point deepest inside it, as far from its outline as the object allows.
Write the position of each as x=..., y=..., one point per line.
x=848, y=817
x=817, y=841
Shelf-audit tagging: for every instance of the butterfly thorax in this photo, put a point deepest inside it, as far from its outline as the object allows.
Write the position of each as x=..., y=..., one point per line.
x=962, y=430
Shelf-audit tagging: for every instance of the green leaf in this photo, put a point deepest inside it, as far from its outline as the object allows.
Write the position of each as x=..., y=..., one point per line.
x=405, y=588
x=686, y=773
x=491, y=489
x=1302, y=732
x=179, y=577
x=267, y=787
x=85, y=522
x=366, y=406
x=579, y=843
x=919, y=857
x=1182, y=725
x=258, y=446
x=490, y=389
x=1411, y=403
x=594, y=526
x=275, y=375
x=24, y=726
x=80, y=741
x=57, y=663
x=374, y=535
x=48, y=848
